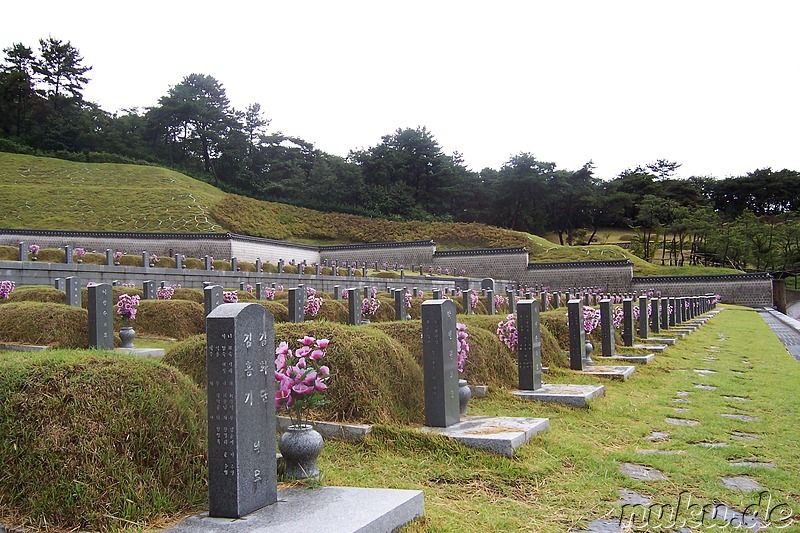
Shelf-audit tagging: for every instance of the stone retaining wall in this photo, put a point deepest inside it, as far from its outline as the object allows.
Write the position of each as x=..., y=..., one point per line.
x=408, y=254
x=743, y=289
x=506, y=263
x=611, y=276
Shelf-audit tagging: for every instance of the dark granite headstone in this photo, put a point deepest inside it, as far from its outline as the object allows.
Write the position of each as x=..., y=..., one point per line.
x=240, y=361
x=608, y=342
x=664, y=315
x=679, y=310
x=337, y=294
x=364, y=272
x=399, y=305
x=577, y=335
x=296, y=300
x=353, y=307
x=672, y=313
x=212, y=298
x=643, y=317
x=259, y=291
x=73, y=291
x=109, y=257
x=101, y=317
x=58, y=283
x=512, y=308
x=259, y=265
x=655, y=318
x=487, y=284
x=234, y=264
x=556, y=299
x=490, y=309
x=207, y=262
x=242, y=286
x=163, y=284
x=178, y=261
x=68, y=254
x=529, y=345
x=318, y=270
x=585, y=298
x=465, y=302
x=439, y=363
x=627, y=322
x=543, y=301
x=23, y=252
x=145, y=259
x=415, y=292
x=148, y=290
x=437, y=294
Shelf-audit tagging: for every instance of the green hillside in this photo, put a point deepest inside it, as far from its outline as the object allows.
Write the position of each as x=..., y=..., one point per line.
x=46, y=193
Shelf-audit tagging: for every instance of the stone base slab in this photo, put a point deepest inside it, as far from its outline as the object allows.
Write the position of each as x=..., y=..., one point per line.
x=629, y=358
x=331, y=430
x=498, y=434
x=142, y=352
x=612, y=372
x=575, y=395
x=23, y=347
x=301, y=509
x=669, y=341
x=479, y=391
x=644, y=345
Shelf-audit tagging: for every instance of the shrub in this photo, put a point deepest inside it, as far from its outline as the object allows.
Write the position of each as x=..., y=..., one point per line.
x=176, y=319
x=375, y=378
x=39, y=323
x=93, y=442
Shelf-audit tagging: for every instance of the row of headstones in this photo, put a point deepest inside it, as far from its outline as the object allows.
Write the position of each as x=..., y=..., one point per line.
x=110, y=259
x=685, y=308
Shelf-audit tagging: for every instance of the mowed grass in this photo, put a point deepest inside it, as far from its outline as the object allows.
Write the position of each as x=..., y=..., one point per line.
x=46, y=193
x=570, y=475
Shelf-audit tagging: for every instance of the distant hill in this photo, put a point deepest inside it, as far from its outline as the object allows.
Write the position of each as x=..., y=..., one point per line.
x=46, y=193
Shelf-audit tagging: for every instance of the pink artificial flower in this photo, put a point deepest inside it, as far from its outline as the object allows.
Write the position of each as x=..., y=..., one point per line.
x=301, y=363
x=324, y=370
x=323, y=343
x=310, y=377
x=316, y=355
x=302, y=388
x=306, y=341
x=280, y=362
x=283, y=398
x=282, y=349
x=320, y=385
x=302, y=352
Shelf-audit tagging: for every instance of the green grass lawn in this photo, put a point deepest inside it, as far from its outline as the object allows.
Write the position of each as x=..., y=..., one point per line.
x=570, y=475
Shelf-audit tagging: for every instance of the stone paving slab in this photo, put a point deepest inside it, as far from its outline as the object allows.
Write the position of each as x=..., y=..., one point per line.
x=142, y=352
x=743, y=418
x=743, y=483
x=669, y=341
x=681, y=421
x=340, y=509
x=752, y=464
x=575, y=395
x=641, y=472
x=612, y=372
x=499, y=434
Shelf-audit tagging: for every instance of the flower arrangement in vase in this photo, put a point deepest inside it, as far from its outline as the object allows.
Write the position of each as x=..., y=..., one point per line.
x=79, y=253
x=126, y=310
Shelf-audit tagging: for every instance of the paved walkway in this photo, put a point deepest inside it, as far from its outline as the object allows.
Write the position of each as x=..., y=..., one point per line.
x=786, y=328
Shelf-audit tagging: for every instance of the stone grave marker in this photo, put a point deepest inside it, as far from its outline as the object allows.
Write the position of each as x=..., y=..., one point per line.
x=68, y=254
x=368, y=292
x=577, y=335
x=296, y=297
x=543, y=301
x=259, y=291
x=234, y=264
x=242, y=286
x=439, y=363
x=207, y=263
x=101, y=317
x=490, y=309
x=148, y=289
x=399, y=305
x=353, y=307
x=58, y=283
x=643, y=301
x=145, y=259
x=212, y=298
x=664, y=313
x=337, y=295
x=437, y=294
x=280, y=266
x=609, y=346
x=23, y=252
x=556, y=299
x=512, y=308
x=240, y=361
x=465, y=300
x=109, y=257
x=487, y=284
x=655, y=320
x=73, y=291
x=317, y=270
x=259, y=265
x=178, y=261
x=627, y=322
x=529, y=345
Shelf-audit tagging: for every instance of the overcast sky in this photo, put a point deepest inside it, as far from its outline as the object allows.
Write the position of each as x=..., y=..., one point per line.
x=712, y=85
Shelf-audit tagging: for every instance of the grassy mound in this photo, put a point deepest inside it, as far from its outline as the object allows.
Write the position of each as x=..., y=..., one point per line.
x=177, y=319
x=98, y=442
x=50, y=324
x=375, y=378
x=193, y=295
x=37, y=293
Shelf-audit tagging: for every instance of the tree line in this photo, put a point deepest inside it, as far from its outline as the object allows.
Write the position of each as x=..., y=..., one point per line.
x=747, y=221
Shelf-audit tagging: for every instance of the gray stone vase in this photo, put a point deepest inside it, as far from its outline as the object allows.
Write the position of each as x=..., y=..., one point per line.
x=300, y=446
x=589, y=350
x=464, y=395
x=126, y=335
